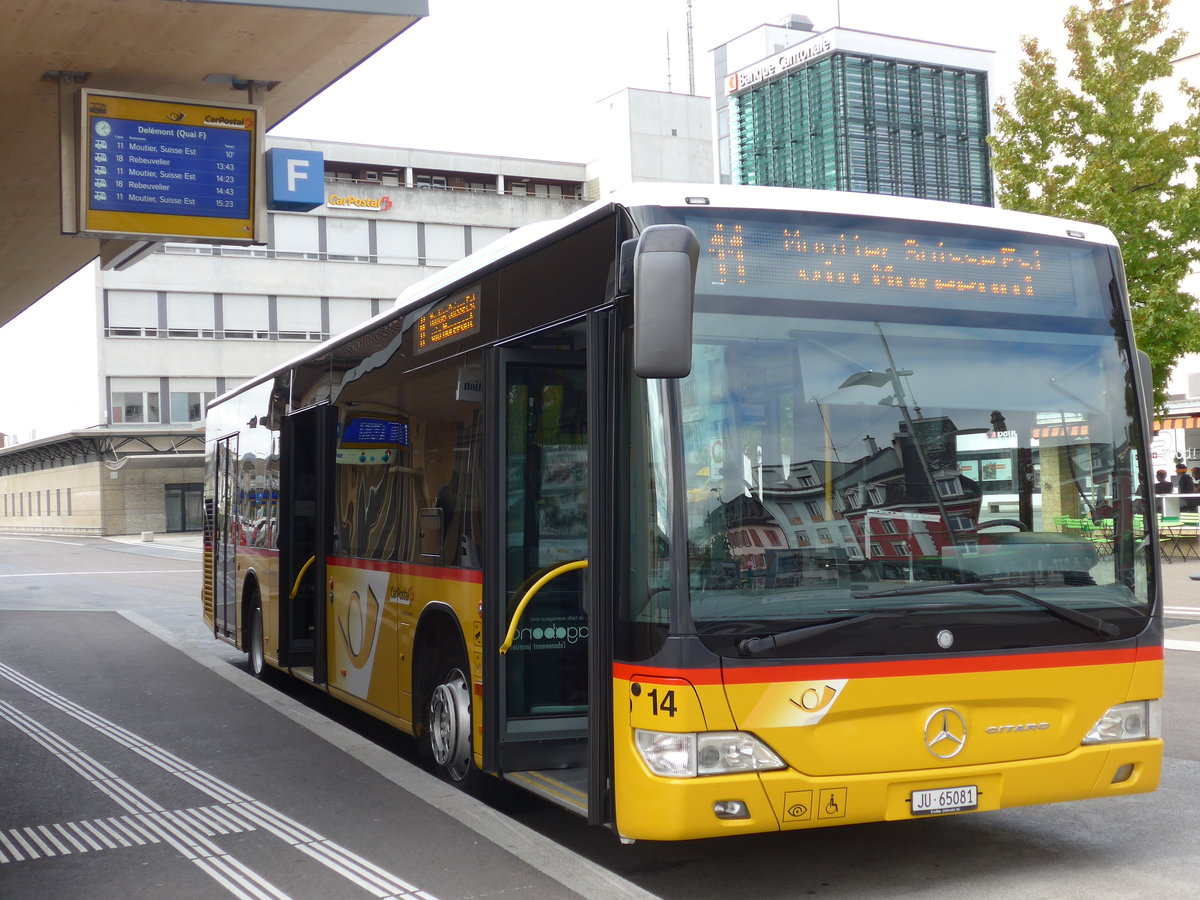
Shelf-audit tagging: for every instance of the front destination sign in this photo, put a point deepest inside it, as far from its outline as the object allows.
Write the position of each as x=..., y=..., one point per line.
x=159, y=168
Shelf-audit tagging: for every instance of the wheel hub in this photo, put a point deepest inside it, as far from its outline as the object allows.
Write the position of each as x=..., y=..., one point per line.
x=449, y=725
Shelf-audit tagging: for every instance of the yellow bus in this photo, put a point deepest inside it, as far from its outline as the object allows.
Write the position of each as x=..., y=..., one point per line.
x=676, y=512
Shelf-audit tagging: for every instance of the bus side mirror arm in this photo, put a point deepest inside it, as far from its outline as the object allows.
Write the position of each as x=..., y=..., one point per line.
x=1146, y=388
x=664, y=292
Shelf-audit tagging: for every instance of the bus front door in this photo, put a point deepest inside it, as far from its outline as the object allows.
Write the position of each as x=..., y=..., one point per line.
x=306, y=531
x=226, y=527
x=537, y=719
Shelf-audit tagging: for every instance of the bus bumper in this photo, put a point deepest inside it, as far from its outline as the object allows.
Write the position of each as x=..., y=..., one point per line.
x=671, y=809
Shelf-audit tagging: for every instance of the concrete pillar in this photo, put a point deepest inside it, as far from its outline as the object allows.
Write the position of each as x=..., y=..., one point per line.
x=1060, y=497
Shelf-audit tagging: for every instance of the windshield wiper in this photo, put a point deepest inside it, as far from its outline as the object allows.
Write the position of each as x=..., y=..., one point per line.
x=1091, y=623
x=756, y=645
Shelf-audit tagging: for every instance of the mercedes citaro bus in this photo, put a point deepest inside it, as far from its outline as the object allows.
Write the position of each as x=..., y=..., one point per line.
x=676, y=512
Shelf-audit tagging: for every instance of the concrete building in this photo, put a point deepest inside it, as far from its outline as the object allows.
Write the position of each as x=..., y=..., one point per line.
x=193, y=320
x=850, y=110
x=651, y=136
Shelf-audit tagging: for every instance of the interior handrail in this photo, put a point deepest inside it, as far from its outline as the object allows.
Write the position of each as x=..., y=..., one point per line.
x=304, y=568
x=537, y=586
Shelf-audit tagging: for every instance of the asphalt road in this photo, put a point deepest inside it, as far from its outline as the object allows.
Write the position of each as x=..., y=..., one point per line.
x=516, y=846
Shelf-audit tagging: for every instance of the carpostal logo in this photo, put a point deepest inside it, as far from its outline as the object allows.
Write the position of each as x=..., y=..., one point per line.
x=342, y=201
x=227, y=121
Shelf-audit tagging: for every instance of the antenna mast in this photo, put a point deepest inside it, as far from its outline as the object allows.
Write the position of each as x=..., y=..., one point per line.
x=668, y=61
x=691, y=55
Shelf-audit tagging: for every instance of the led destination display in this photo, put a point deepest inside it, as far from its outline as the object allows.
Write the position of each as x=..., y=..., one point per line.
x=159, y=167
x=778, y=256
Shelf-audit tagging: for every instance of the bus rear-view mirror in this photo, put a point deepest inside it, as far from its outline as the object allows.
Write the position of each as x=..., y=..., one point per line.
x=664, y=290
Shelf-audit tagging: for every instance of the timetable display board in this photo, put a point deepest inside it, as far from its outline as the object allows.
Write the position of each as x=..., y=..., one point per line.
x=157, y=168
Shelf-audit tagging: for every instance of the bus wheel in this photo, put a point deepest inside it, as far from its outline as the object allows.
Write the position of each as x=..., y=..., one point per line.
x=258, y=663
x=449, y=724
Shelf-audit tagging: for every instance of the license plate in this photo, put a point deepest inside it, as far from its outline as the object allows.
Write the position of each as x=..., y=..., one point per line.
x=944, y=800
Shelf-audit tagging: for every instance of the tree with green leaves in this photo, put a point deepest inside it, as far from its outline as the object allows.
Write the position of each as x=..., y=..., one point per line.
x=1093, y=147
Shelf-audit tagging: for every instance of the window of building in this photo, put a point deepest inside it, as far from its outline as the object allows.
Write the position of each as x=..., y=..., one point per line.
x=444, y=244
x=188, y=406
x=296, y=236
x=481, y=236
x=949, y=487
x=190, y=315
x=245, y=316
x=345, y=313
x=299, y=318
x=348, y=240
x=396, y=243
x=132, y=314
x=134, y=407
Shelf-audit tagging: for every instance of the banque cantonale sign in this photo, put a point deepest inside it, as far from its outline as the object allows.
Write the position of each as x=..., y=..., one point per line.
x=780, y=63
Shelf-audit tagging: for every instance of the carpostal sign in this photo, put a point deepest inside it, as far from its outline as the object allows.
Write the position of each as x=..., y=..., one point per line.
x=780, y=63
x=158, y=168
x=353, y=201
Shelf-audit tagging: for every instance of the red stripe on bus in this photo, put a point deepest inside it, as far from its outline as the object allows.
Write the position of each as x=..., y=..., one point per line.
x=259, y=552
x=467, y=576
x=894, y=668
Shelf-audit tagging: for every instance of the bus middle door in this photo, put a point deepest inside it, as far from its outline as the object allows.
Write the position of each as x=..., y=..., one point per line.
x=538, y=719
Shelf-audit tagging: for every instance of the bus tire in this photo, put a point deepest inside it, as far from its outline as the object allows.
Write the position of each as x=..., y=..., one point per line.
x=254, y=641
x=448, y=722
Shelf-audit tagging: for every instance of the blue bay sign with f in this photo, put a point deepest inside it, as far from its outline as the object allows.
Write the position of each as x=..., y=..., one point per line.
x=295, y=179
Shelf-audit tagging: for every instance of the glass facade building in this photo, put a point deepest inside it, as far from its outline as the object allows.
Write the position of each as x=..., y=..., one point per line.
x=863, y=122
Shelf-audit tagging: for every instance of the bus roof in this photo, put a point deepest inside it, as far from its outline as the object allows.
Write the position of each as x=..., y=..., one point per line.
x=523, y=240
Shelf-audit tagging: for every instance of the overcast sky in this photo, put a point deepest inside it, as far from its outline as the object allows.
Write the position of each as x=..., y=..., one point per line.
x=520, y=78
x=517, y=78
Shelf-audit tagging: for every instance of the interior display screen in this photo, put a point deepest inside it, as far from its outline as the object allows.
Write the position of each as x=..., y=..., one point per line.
x=452, y=319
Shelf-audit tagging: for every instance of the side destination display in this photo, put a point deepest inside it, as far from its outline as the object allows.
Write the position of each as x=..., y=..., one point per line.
x=155, y=167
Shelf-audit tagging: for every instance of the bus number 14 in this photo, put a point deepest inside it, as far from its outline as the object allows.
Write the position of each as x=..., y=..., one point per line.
x=666, y=706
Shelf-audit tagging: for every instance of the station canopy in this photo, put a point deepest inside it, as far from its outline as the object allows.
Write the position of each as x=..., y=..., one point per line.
x=207, y=51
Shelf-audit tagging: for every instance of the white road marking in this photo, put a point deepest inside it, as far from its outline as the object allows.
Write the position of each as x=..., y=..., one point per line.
x=185, y=830
x=44, y=541
x=1193, y=646
x=91, y=574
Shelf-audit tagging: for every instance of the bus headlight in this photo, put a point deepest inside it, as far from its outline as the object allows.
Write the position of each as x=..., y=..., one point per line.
x=688, y=755
x=1135, y=721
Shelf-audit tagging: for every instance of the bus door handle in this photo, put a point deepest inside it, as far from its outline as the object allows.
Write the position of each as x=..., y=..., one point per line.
x=537, y=586
x=299, y=577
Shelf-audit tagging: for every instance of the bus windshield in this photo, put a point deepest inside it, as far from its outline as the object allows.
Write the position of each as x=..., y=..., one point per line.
x=902, y=438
